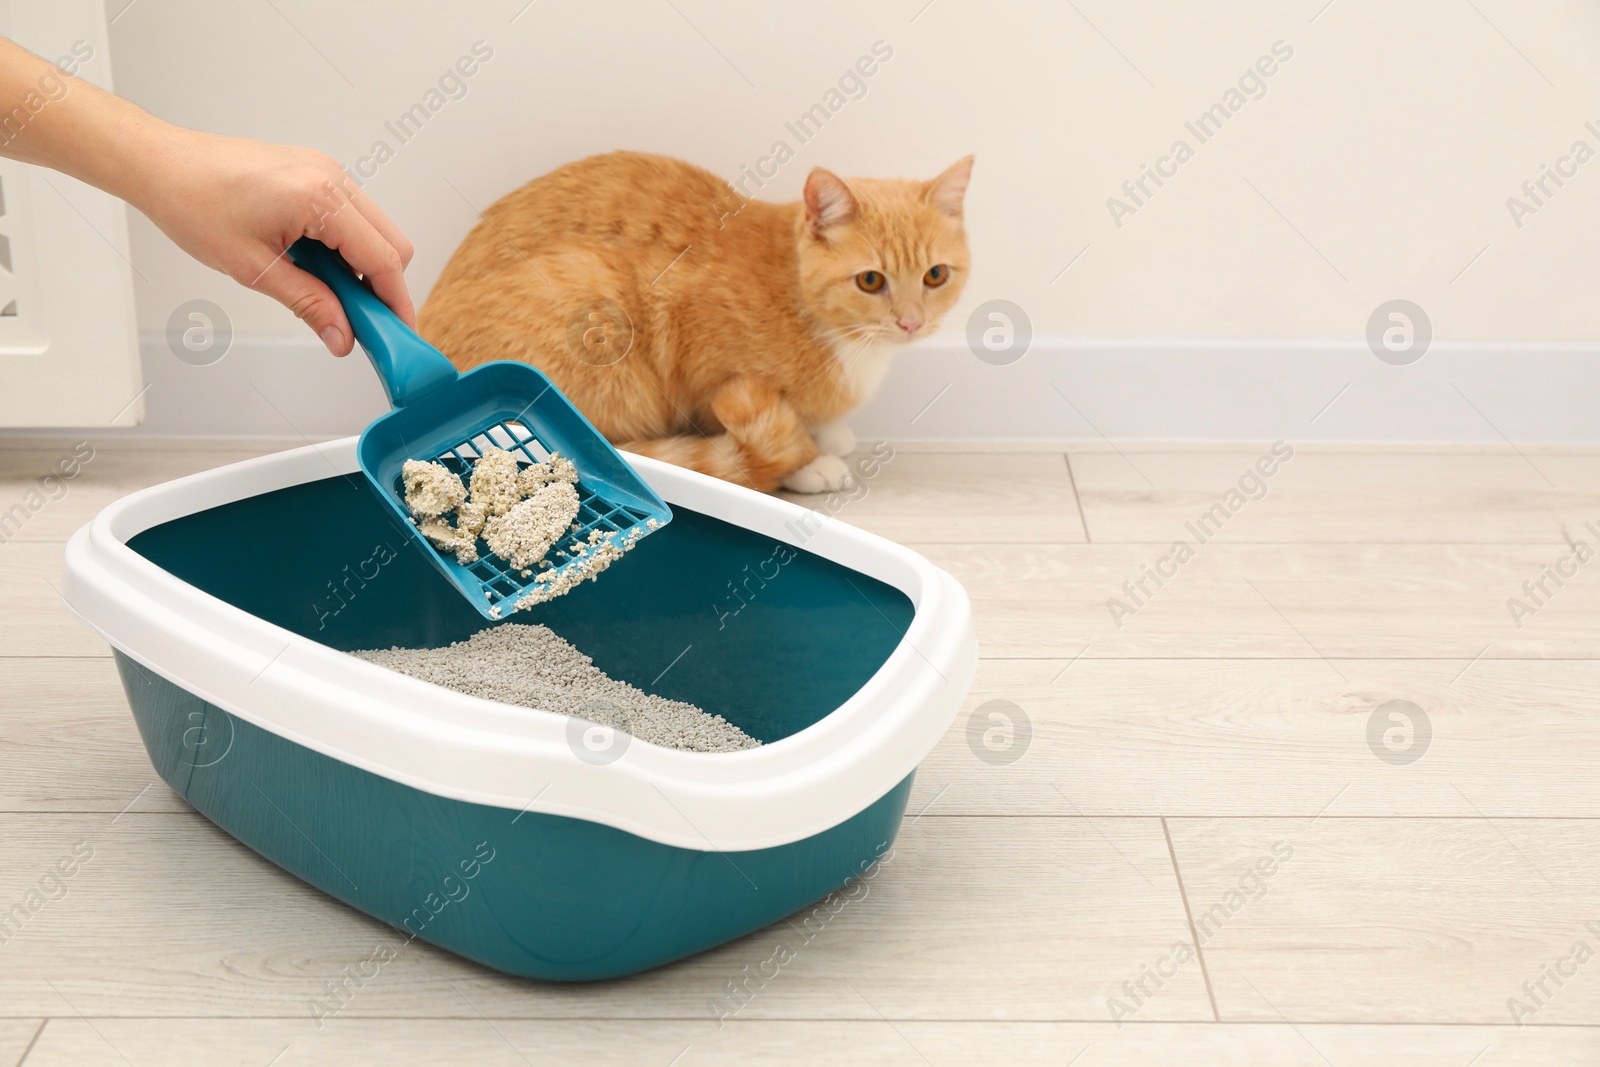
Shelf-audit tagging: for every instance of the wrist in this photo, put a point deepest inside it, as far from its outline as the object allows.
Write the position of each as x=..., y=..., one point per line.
x=138, y=159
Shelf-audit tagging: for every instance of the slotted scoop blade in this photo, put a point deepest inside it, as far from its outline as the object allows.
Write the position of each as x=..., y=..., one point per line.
x=452, y=419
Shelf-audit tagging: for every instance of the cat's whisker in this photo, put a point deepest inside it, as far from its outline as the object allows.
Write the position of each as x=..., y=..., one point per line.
x=856, y=336
x=840, y=333
x=860, y=349
x=848, y=341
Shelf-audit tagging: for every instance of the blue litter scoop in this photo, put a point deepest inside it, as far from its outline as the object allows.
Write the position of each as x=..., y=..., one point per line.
x=452, y=419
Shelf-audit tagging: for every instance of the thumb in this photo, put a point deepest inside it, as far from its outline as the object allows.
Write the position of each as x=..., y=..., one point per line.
x=311, y=301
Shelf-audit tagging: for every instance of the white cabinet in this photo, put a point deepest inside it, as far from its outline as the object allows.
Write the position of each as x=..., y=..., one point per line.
x=69, y=351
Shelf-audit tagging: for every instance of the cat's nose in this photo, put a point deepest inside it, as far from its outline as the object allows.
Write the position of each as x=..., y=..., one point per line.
x=910, y=326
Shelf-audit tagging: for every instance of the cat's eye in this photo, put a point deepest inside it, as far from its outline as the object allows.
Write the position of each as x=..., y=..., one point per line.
x=870, y=281
x=937, y=275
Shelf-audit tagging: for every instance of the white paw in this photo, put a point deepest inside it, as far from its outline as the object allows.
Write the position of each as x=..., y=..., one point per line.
x=822, y=475
x=835, y=439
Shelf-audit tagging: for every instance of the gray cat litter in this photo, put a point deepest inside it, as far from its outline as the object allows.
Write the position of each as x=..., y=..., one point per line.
x=532, y=667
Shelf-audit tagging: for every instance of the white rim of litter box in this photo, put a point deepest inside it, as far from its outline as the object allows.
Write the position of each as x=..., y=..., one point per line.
x=484, y=752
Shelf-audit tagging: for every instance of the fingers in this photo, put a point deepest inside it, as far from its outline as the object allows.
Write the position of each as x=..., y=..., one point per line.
x=370, y=253
x=381, y=222
x=346, y=220
x=311, y=301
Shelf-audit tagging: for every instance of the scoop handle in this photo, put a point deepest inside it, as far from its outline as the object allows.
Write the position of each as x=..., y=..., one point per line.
x=409, y=367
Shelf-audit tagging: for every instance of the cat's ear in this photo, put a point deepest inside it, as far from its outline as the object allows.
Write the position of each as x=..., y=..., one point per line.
x=949, y=190
x=828, y=200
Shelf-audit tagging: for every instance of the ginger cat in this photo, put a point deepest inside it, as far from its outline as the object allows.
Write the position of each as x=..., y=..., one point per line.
x=694, y=325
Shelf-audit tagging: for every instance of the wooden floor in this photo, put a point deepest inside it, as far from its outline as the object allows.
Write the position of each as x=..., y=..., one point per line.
x=1203, y=772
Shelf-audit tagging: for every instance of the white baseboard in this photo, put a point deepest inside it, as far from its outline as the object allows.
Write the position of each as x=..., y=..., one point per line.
x=1241, y=392
x=1062, y=394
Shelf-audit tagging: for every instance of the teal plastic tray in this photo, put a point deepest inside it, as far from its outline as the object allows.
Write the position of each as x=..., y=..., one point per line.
x=559, y=897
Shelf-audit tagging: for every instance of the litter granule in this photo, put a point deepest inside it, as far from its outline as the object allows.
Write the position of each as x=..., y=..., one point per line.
x=524, y=534
x=532, y=667
x=587, y=560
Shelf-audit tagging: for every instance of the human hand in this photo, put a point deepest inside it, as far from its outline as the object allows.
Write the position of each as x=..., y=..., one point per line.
x=230, y=202
x=236, y=205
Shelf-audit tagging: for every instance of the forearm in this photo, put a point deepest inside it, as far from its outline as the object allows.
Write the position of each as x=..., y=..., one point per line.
x=232, y=203
x=53, y=119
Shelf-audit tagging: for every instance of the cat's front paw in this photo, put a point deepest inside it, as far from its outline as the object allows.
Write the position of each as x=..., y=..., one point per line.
x=824, y=474
x=835, y=439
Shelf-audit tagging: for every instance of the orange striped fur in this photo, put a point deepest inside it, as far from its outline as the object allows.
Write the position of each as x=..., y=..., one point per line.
x=689, y=323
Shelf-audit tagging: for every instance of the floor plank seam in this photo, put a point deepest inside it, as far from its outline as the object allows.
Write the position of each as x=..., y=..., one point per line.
x=1083, y=517
x=109, y=811
x=33, y=1041
x=1188, y=916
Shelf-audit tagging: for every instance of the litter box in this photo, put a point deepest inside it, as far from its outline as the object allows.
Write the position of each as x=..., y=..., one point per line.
x=534, y=843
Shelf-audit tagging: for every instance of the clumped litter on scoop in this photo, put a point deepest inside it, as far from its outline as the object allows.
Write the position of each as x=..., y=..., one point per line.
x=557, y=468
x=523, y=512
x=532, y=667
x=494, y=481
x=523, y=535
x=520, y=512
x=441, y=533
x=431, y=488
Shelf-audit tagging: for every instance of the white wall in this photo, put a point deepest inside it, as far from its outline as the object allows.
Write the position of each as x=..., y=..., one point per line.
x=1376, y=166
